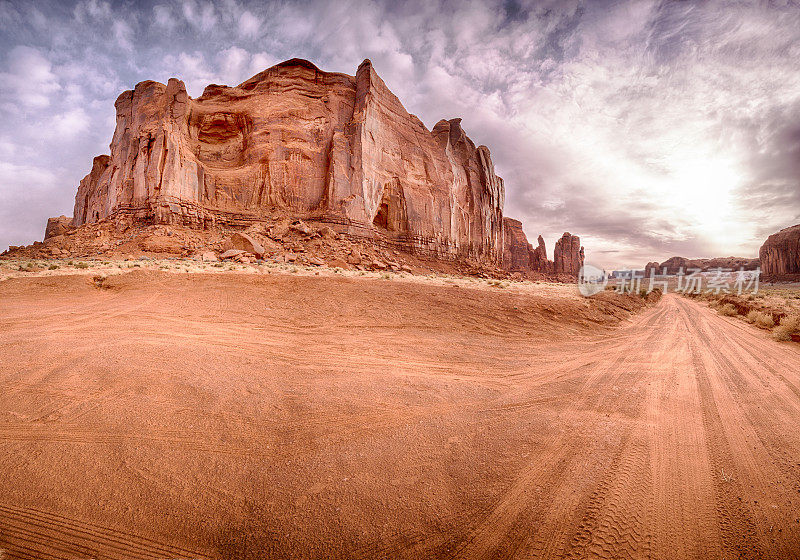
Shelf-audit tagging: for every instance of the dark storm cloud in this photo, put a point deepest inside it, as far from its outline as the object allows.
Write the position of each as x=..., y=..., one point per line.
x=648, y=128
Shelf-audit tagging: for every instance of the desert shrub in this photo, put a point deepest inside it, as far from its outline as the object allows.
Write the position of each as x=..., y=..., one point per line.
x=99, y=281
x=81, y=265
x=728, y=310
x=761, y=319
x=789, y=325
x=52, y=267
x=765, y=321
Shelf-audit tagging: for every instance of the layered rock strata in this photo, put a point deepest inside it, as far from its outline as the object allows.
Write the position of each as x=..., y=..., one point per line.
x=780, y=255
x=321, y=146
x=522, y=257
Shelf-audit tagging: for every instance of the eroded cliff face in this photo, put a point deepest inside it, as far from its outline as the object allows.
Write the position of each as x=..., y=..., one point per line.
x=780, y=255
x=678, y=265
x=568, y=255
x=321, y=146
x=517, y=252
x=520, y=256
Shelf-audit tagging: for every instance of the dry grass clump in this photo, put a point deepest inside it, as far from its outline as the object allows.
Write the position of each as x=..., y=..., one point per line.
x=789, y=325
x=761, y=319
x=728, y=310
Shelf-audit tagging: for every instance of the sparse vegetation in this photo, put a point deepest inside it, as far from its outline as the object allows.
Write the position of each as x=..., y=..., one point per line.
x=99, y=281
x=53, y=267
x=82, y=265
x=761, y=319
x=790, y=325
x=728, y=310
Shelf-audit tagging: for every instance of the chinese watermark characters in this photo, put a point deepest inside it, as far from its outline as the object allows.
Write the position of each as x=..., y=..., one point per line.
x=592, y=280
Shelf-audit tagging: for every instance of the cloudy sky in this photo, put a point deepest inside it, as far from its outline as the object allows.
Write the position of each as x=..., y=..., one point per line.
x=650, y=129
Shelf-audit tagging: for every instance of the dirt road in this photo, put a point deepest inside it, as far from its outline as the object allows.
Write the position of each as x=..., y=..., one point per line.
x=199, y=417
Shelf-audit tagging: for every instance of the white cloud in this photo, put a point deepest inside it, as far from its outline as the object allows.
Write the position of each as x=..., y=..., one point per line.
x=29, y=82
x=233, y=63
x=192, y=69
x=164, y=17
x=200, y=15
x=260, y=62
x=645, y=127
x=70, y=124
x=92, y=9
x=14, y=178
x=123, y=34
x=249, y=25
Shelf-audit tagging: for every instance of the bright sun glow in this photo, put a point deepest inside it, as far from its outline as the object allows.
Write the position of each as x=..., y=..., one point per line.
x=704, y=189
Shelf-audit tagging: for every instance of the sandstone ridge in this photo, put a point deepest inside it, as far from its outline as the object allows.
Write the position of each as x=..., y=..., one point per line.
x=295, y=142
x=674, y=265
x=324, y=147
x=521, y=257
x=780, y=255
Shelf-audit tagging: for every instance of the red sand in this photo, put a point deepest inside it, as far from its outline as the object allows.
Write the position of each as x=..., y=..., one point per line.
x=231, y=416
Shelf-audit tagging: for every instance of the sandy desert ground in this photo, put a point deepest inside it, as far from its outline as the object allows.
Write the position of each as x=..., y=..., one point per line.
x=165, y=415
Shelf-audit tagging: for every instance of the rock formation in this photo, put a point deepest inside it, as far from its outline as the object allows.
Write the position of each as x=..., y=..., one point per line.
x=652, y=266
x=324, y=147
x=780, y=255
x=568, y=255
x=57, y=226
x=674, y=265
x=296, y=161
x=539, y=260
x=520, y=256
x=518, y=253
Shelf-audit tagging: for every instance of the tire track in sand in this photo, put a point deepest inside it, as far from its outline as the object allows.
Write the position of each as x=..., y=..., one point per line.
x=740, y=539
x=32, y=533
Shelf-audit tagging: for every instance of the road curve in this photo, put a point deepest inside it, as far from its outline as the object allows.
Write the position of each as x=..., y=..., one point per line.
x=704, y=461
x=204, y=418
